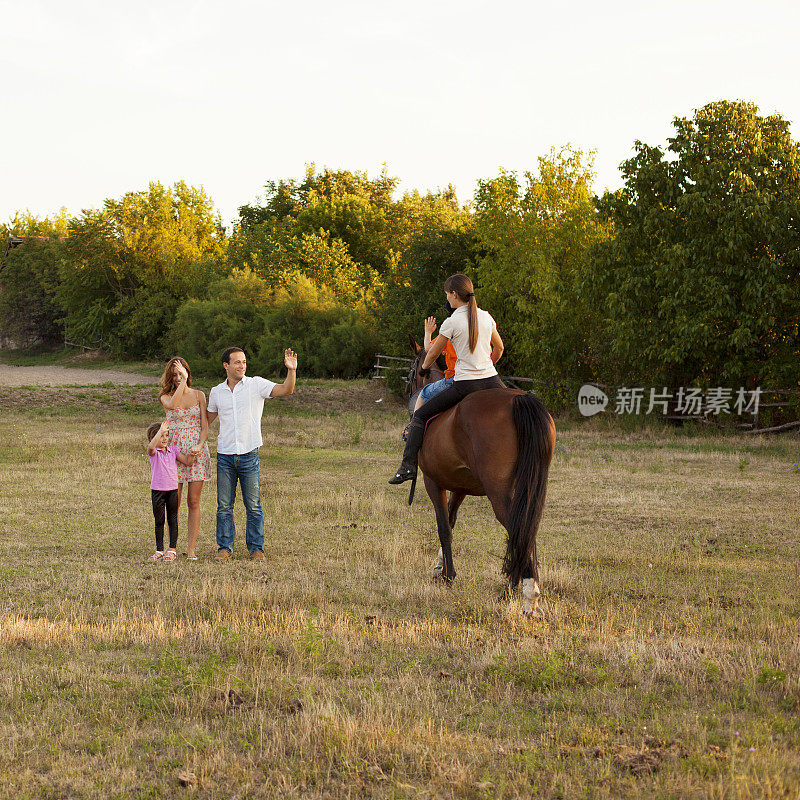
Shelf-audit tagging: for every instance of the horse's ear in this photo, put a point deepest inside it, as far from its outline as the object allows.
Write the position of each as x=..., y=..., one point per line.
x=415, y=348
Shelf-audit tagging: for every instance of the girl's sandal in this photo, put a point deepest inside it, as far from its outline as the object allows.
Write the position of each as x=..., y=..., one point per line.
x=157, y=556
x=170, y=555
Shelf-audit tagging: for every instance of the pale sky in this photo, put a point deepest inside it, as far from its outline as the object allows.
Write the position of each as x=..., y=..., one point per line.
x=101, y=98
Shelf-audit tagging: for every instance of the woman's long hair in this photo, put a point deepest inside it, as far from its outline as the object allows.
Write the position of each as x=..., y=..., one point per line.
x=462, y=286
x=168, y=385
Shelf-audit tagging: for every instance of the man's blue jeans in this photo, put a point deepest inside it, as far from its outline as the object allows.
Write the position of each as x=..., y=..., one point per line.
x=245, y=469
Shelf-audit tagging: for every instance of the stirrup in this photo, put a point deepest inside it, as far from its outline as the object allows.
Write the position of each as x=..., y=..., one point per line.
x=405, y=473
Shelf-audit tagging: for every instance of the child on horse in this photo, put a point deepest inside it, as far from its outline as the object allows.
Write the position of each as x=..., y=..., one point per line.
x=432, y=389
x=478, y=347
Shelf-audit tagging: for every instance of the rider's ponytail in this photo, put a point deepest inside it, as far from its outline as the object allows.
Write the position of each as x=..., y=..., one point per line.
x=462, y=286
x=472, y=317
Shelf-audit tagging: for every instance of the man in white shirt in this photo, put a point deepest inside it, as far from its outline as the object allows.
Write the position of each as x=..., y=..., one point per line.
x=239, y=402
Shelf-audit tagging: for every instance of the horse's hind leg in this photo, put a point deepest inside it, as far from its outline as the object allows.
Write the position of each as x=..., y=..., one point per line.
x=530, y=577
x=453, y=504
x=439, y=499
x=530, y=590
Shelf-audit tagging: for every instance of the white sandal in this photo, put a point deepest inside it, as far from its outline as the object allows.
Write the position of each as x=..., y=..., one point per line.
x=157, y=556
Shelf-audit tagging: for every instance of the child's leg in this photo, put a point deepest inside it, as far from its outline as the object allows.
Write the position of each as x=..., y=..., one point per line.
x=158, y=512
x=430, y=390
x=171, y=498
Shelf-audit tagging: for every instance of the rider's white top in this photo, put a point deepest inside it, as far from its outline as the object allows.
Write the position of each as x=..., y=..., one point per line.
x=471, y=366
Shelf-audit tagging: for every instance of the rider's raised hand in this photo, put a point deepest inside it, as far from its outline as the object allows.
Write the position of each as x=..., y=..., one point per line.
x=430, y=325
x=290, y=358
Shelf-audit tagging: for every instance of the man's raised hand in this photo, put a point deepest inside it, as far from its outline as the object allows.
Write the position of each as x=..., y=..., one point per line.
x=290, y=358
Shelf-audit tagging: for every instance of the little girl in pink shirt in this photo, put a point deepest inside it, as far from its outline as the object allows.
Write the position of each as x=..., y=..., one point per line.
x=164, y=486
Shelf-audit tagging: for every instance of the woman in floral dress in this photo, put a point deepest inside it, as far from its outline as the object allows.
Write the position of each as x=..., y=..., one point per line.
x=188, y=429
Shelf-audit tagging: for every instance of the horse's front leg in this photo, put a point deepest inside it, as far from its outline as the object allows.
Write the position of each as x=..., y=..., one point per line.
x=438, y=567
x=439, y=499
x=455, y=500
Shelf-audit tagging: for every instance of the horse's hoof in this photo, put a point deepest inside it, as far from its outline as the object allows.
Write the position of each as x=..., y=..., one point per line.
x=441, y=579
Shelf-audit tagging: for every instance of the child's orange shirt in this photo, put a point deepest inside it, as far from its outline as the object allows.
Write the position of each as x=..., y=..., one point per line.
x=450, y=357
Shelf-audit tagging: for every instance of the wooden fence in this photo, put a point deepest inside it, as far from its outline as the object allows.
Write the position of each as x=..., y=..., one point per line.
x=774, y=399
x=385, y=363
x=83, y=346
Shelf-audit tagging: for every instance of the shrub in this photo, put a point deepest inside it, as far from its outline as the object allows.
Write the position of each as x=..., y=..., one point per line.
x=202, y=329
x=331, y=342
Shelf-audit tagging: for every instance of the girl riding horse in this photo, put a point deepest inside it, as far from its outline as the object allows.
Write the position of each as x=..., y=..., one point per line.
x=478, y=347
x=487, y=440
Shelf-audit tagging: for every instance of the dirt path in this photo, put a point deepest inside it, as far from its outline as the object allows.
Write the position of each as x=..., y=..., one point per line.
x=45, y=387
x=67, y=376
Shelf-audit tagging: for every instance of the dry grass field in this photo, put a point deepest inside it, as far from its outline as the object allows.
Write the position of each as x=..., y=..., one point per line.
x=667, y=665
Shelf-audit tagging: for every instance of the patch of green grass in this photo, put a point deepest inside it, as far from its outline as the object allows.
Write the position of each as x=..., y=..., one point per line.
x=770, y=676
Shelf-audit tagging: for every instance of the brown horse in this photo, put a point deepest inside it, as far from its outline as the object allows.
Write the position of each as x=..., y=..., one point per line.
x=498, y=443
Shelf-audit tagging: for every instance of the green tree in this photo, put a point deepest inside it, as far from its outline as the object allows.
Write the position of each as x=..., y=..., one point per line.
x=700, y=283
x=535, y=236
x=25, y=223
x=131, y=265
x=287, y=198
x=434, y=238
x=335, y=227
x=274, y=250
x=354, y=220
x=29, y=310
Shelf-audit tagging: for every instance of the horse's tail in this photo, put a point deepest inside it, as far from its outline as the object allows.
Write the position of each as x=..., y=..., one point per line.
x=535, y=439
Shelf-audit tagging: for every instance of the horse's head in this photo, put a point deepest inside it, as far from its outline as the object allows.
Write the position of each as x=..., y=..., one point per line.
x=416, y=380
